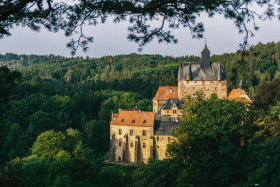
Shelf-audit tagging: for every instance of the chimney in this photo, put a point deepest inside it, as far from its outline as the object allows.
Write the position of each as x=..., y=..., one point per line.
x=219, y=72
x=189, y=77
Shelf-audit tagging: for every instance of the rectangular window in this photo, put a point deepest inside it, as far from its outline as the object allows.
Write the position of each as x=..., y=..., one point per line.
x=157, y=138
x=131, y=144
x=131, y=132
x=120, y=131
x=120, y=143
x=144, y=145
x=144, y=132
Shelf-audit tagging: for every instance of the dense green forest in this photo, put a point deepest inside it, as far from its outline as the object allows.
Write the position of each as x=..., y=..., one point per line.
x=55, y=114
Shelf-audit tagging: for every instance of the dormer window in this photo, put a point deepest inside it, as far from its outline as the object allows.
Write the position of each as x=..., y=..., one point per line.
x=133, y=121
x=122, y=120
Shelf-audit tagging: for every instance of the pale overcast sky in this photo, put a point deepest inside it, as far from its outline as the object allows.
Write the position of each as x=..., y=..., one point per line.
x=110, y=39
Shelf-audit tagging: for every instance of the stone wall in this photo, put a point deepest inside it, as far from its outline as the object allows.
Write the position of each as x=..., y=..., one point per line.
x=157, y=105
x=132, y=148
x=160, y=144
x=207, y=87
x=167, y=112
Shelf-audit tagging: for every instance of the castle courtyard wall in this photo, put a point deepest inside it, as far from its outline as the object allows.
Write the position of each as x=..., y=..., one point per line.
x=207, y=87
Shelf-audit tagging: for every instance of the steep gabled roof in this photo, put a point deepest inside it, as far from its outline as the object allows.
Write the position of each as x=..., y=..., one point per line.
x=134, y=118
x=239, y=95
x=166, y=92
x=194, y=71
x=165, y=127
x=169, y=103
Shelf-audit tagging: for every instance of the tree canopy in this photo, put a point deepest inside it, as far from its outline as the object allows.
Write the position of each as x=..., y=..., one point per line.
x=71, y=17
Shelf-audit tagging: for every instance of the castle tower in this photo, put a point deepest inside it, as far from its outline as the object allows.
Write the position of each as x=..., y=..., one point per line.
x=205, y=56
x=205, y=76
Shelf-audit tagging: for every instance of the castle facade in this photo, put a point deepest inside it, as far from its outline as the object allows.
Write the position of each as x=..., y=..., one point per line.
x=135, y=135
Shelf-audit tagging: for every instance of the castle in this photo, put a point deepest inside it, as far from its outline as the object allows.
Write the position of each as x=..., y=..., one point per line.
x=136, y=135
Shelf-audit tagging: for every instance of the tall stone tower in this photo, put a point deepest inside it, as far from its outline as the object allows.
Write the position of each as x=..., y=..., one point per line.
x=206, y=76
x=205, y=57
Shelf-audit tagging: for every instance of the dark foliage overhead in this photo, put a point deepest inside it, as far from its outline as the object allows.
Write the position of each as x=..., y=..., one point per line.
x=71, y=17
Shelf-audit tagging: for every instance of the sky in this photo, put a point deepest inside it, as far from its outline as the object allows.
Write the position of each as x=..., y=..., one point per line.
x=110, y=39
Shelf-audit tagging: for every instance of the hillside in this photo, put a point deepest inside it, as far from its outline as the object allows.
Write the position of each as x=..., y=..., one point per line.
x=55, y=117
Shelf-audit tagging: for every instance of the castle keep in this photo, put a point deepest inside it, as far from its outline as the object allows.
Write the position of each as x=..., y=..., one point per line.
x=136, y=135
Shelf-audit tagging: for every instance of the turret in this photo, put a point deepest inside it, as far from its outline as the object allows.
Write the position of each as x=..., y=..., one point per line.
x=240, y=86
x=205, y=56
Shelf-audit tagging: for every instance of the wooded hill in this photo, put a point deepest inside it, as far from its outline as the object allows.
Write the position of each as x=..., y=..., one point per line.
x=54, y=118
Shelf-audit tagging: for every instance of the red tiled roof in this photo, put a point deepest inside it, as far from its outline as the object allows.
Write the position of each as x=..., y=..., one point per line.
x=239, y=95
x=166, y=92
x=134, y=118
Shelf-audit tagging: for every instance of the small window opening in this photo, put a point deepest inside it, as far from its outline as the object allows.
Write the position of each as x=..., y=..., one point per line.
x=144, y=121
x=119, y=158
x=122, y=120
x=144, y=132
x=120, y=143
x=157, y=138
x=131, y=132
x=120, y=131
x=133, y=121
x=131, y=144
x=144, y=145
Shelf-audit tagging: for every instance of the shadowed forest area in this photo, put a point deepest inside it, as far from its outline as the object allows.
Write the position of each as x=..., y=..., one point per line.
x=55, y=114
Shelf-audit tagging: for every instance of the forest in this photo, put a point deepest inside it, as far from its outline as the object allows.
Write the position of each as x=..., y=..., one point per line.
x=55, y=114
